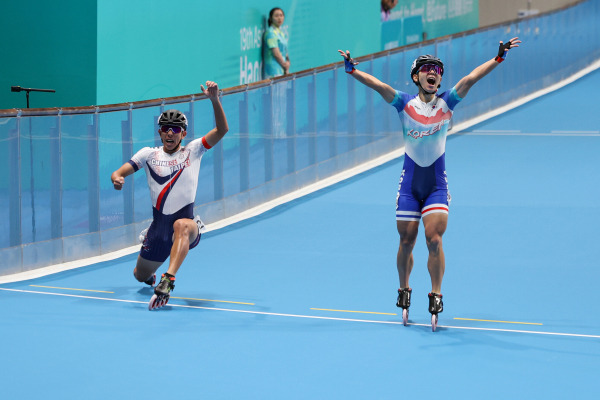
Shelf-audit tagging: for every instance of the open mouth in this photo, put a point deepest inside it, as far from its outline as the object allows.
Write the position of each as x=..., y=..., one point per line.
x=431, y=80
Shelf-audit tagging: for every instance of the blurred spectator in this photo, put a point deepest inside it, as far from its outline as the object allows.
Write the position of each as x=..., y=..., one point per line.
x=386, y=8
x=275, y=50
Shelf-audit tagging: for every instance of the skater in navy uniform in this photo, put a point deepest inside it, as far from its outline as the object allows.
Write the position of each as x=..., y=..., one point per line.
x=423, y=188
x=172, y=173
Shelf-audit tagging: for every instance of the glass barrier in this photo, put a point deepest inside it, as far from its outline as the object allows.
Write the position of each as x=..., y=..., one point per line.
x=57, y=200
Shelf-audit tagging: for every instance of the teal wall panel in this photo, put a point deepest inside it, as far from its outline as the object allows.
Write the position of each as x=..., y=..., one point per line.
x=48, y=45
x=112, y=51
x=151, y=49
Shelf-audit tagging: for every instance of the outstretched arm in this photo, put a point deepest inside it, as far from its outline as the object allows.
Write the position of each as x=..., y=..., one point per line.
x=217, y=133
x=386, y=91
x=465, y=84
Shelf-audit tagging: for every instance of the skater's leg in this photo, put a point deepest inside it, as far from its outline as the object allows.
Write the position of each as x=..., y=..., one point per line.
x=185, y=232
x=145, y=269
x=404, y=260
x=435, y=227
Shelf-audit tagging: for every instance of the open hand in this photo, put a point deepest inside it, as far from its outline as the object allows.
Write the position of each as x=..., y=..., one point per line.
x=347, y=57
x=503, y=48
x=514, y=42
x=349, y=63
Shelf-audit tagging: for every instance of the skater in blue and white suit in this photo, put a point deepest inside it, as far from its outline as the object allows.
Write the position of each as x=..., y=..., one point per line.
x=172, y=173
x=423, y=189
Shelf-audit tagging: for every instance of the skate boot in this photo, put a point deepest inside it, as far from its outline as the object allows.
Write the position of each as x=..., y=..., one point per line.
x=201, y=226
x=151, y=281
x=404, y=302
x=162, y=292
x=436, y=306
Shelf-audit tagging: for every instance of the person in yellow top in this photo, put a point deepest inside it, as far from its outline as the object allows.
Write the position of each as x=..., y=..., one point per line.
x=276, y=60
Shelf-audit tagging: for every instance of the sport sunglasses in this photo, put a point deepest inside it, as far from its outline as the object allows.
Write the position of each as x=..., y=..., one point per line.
x=175, y=129
x=432, y=67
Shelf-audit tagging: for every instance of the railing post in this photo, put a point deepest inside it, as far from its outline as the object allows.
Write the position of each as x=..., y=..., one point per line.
x=127, y=152
x=351, y=114
x=14, y=187
x=268, y=134
x=387, y=78
x=93, y=175
x=244, y=144
x=191, y=132
x=219, y=186
x=291, y=126
x=312, y=120
x=56, y=181
x=369, y=108
x=157, y=140
x=333, y=117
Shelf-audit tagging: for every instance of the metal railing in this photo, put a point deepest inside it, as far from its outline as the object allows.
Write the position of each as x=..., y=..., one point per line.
x=58, y=204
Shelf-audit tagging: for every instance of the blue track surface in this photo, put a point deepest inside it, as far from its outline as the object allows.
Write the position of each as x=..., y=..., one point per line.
x=521, y=247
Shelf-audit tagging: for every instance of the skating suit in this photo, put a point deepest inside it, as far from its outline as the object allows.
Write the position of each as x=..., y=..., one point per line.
x=172, y=179
x=423, y=187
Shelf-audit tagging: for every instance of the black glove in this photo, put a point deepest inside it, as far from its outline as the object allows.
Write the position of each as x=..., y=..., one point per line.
x=502, y=50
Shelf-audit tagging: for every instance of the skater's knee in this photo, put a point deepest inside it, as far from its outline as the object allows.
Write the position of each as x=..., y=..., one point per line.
x=185, y=229
x=407, y=242
x=434, y=243
x=142, y=276
x=181, y=227
x=408, y=238
x=144, y=269
x=137, y=276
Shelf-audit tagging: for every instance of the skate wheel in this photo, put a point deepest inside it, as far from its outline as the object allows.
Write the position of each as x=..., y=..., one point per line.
x=153, y=300
x=163, y=301
x=434, y=321
x=405, y=316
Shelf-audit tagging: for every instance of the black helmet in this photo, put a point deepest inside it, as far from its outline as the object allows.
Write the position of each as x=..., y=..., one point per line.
x=173, y=117
x=426, y=59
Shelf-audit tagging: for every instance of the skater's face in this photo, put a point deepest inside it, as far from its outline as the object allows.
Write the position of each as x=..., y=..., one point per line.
x=171, y=137
x=429, y=76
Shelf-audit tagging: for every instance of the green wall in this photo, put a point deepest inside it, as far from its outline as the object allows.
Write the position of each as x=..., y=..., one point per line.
x=149, y=50
x=48, y=45
x=95, y=52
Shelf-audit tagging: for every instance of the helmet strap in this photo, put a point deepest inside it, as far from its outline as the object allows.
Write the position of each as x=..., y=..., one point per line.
x=418, y=83
x=178, y=146
x=434, y=92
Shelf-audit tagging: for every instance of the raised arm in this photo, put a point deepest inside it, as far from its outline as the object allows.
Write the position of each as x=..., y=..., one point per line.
x=216, y=134
x=386, y=91
x=464, y=85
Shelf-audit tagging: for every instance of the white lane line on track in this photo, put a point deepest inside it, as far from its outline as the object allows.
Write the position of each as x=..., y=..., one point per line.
x=543, y=134
x=585, y=132
x=495, y=131
x=307, y=316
